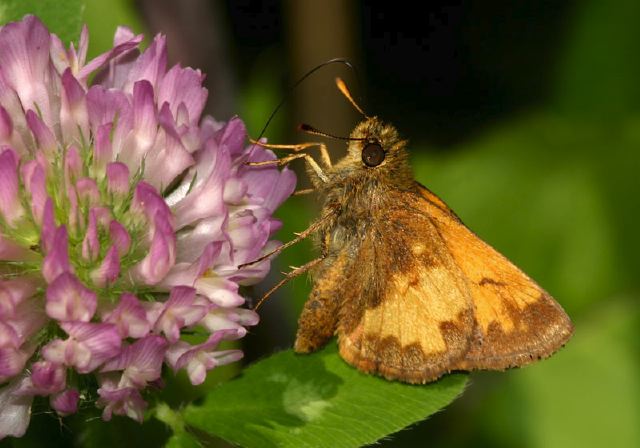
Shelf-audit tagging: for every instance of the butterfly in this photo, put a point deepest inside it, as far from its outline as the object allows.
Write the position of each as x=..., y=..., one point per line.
x=410, y=292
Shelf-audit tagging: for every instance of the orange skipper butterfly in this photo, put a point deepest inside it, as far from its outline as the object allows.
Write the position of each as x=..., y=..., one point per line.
x=409, y=290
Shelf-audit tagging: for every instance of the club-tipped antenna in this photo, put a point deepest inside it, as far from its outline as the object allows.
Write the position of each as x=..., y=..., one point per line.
x=299, y=81
x=345, y=91
x=307, y=128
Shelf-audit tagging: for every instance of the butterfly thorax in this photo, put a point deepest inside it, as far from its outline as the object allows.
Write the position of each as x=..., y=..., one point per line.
x=360, y=194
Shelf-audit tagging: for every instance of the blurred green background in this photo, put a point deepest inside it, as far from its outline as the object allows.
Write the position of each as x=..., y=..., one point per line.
x=523, y=115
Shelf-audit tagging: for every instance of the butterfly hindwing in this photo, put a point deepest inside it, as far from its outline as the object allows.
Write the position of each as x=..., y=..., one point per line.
x=319, y=317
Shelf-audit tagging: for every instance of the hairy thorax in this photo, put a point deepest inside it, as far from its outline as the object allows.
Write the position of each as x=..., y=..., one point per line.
x=359, y=204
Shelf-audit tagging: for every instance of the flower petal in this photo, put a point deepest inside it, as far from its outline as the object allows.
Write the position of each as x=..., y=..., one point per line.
x=15, y=410
x=181, y=310
x=198, y=359
x=161, y=255
x=183, y=86
x=66, y=402
x=10, y=208
x=47, y=377
x=68, y=299
x=6, y=126
x=120, y=237
x=108, y=270
x=100, y=341
x=127, y=401
x=33, y=176
x=127, y=44
x=44, y=137
x=12, y=361
x=57, y=260
x=91, y=243
x=74, y=118
x=25, y=58
x=130, y=317
x=206, y=196
x=141, y=361
x=117, y=178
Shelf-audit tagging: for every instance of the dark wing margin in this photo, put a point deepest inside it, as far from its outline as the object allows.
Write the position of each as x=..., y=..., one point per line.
x=516, y=320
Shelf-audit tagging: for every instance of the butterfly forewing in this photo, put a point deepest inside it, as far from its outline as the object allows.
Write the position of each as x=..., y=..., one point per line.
x=517, y=321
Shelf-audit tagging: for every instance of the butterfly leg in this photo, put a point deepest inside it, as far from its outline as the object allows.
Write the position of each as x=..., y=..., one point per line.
x=285, y=160
x=303, y=192
x=288, y=276
x=300, y=236
x=324, y=152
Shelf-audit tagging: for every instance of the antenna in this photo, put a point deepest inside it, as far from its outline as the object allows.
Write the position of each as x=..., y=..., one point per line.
x=345, y=91
x=305, y=76
x=307, y=128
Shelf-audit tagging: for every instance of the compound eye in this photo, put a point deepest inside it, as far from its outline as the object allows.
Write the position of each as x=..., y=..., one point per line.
x=372, y=154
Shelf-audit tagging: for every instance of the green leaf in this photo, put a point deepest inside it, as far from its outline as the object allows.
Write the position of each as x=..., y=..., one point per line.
x=63, y=18
x=122, y=432
x=316, y=400
x=180, y=438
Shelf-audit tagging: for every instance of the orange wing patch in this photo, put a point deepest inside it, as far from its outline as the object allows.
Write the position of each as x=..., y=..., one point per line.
x=415, y=320
x=517, y=321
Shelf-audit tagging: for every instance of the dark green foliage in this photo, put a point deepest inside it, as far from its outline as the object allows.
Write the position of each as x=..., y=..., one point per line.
x=317, y=400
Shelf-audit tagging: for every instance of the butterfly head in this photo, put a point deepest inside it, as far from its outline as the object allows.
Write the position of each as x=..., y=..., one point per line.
x=376, y=154
x=375, y=149
x=374, y=144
